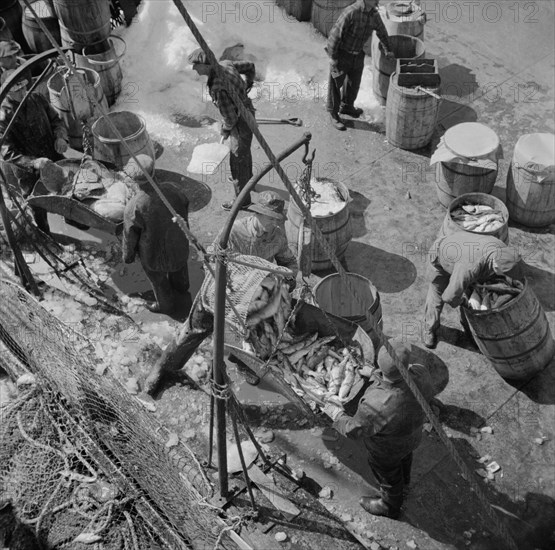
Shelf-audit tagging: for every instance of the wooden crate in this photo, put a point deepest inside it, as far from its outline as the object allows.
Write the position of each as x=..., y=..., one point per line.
x=418, y=72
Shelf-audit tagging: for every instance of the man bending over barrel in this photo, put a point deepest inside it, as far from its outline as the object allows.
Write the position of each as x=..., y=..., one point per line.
x=458, y=261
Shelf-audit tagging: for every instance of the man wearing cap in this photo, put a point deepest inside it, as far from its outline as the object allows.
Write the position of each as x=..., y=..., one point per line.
x=148, y=230
x=389, y=421
x=233, y=126
x=36, y=136
x=262, y=234
x=9, y=50
x=458, y=261
x=345, y=49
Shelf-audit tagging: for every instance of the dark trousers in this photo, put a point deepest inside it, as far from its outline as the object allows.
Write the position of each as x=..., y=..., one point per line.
x=344, y=83
x=392, y=475
x=166, y=284
x=434, y=302
x=240, y=159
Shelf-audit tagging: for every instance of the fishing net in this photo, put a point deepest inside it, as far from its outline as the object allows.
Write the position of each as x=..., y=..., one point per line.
x=82, y=462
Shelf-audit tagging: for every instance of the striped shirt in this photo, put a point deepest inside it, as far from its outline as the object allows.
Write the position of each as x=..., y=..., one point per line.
x=219, y=95
x=353, y=29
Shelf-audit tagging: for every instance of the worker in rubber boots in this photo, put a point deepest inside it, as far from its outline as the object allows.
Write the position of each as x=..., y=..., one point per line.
x=345, y=48
x=456, y=262
x=150, y=232
x=234, y=126
x=389, y=421
x=37, y=137
x=263, y=234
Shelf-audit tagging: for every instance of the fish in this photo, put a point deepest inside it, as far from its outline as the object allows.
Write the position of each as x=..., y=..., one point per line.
x=336, y=376
x=348, y=381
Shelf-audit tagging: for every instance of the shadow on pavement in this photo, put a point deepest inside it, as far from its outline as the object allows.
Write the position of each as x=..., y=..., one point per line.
x=541, y=388
x=388, y=272
x=198, y=193
x=357, y=208
x=542, y=283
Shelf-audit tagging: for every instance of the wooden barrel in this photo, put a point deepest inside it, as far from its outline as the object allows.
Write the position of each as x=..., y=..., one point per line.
x=516, y=338
x=83, y=22
x=326, y=12
x=410, y=116
x=11, y=12
x=335, y=227
x=450, y=226
x=333, y=296
x=71, y=101
x=454, y=179
x=531, y=181
x=107, y=146
x=36, y=39
x=404, y=47
x=107, y=65
x=299, y=9
x=404, y=18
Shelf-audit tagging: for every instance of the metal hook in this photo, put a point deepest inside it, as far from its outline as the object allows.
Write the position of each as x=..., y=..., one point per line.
x=308, y=159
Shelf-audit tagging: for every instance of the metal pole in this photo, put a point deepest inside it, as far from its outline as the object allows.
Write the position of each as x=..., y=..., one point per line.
x=218, y=365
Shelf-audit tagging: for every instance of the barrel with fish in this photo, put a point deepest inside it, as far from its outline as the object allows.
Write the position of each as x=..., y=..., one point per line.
x=328, y=201
x=312, y=358
x=477, y=213
x=510, y=327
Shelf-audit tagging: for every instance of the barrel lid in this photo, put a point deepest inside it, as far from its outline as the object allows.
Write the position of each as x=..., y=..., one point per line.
x=535, y=150
x=400, y=8
x=471, y=140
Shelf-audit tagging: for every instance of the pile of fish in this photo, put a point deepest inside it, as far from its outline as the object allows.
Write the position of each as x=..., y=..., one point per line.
x=326, y=198
x=495, y=293
x=310, y=364
x=478, y=217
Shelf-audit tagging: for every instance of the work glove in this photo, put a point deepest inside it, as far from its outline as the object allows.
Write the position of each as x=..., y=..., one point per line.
x=332, y=411
x=40, y=163
x=389, y=54
x=60, y=145
x=225, y=133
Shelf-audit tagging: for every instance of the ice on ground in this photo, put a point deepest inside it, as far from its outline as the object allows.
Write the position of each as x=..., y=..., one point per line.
x=207, y=157
x=158, y=81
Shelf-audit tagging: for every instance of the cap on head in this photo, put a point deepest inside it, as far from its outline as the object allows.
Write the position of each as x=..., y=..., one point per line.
x=270, y=204
x=133, y=170
x=506, y=257
x=198, y=56
x=386, y=364
x=17, y=85
x=9, y=47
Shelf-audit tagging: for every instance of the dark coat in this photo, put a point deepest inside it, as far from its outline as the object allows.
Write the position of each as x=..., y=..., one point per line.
x=33, y=133
x=389, y=419
x=148, y=229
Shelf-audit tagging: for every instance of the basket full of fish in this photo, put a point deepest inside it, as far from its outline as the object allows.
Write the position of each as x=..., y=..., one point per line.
x=320, y=356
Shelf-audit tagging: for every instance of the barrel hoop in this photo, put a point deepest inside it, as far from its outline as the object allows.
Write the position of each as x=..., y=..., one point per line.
x=112, y=61
x=513, y=335
x=526, y=352
x=487, y=171
x=336, y=229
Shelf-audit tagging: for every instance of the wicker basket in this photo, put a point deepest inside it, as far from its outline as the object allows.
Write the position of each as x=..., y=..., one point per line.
x=242, y=283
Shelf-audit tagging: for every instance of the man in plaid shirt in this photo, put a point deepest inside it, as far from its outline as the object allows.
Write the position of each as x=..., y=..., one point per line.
x=345, y=49
x=234, y=126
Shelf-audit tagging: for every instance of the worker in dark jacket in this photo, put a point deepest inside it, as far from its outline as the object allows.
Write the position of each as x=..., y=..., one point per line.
x=457, y=261
x=233, y=126
x=389, y=421
x=148, y=230
x=36, y=137
x=345, y=49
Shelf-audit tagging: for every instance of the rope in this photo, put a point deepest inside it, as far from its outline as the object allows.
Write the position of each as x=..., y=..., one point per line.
x=220, y=391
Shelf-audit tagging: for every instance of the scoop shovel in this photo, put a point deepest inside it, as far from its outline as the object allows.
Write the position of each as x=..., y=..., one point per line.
x=293, y=121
